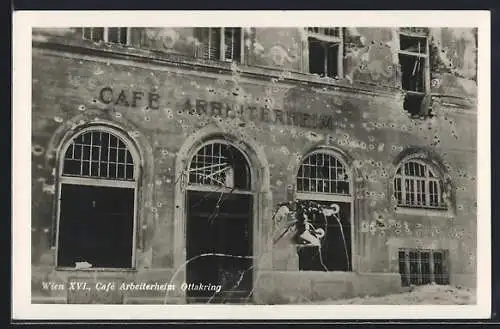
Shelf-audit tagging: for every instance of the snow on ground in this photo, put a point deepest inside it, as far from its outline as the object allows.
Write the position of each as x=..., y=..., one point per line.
x=420, y=295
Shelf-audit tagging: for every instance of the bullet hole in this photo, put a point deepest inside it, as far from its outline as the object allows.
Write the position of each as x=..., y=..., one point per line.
x=154, y=210
x=371, y=147
x=290, y=186
x=177, y=206
x=147, y=119
x=58, y=119
x=37, y=150
x=460, y=207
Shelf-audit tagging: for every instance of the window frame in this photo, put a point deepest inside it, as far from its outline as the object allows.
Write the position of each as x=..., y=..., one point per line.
x=425, y=56
x=326, y=39
x=323, y=196
x=407, y=275
x=333, y=197
x=218, y=188
x=106, y=34
x=221, y=46
x=429, y=168
x=102, y=182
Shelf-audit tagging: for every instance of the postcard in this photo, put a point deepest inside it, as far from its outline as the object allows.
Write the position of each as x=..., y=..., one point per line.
x=251, y=165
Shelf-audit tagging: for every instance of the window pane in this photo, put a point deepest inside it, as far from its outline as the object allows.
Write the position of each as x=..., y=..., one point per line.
x=316, y=57
x=221, y=165
x=91, y=156
x=323, y=173
x=97, y=34
x=332, y=61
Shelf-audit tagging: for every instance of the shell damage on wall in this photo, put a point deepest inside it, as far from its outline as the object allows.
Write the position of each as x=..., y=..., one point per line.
x=370, y=129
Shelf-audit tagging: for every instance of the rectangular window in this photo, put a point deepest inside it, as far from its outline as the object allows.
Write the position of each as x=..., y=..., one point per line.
x=222, y=43
x=335, y=251
x=118, y=35
x=423, y=266
x=413, y=60
x=325, y=51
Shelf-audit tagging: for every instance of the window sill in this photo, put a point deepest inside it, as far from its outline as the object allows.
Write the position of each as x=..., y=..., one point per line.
x=424, y=212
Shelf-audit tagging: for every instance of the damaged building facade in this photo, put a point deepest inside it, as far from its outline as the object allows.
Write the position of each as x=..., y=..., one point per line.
x=160, y=156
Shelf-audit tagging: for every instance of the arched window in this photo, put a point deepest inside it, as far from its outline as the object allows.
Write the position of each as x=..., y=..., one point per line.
x=417, y=185
x=323, y=178
x=323, y=173
x=220, y=164
x=97, y=197
x=219, y=219
x=98, y=154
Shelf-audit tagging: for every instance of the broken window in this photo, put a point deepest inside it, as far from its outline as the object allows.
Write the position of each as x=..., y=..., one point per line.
x=118, y=35
x=324, y=180
x=416, y=185
x=224, y=43
x=413, y=60
x=322, y=173
x=325, y=51
x=220, y=164
x=219, y=212
x=97, y=202
x=423, y=266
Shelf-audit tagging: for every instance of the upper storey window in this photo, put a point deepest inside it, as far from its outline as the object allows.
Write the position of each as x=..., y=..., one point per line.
x=414, y=62
x=119, y=35
x=221, y=43
x=325, y=51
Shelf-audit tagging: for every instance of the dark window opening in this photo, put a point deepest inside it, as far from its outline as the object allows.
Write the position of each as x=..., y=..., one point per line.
x=335, y=251
x=323, y=57
x=423, y=266
x=219, y=224
x=412, y=59
x=110, y=34
x=96, y=226
x=413, y=44
x=117, y=35
x=412, y=69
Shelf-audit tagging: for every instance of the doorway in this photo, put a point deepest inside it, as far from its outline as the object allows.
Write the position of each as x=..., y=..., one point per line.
x=219, y=217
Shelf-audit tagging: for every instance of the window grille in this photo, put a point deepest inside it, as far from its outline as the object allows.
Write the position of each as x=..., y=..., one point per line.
x=118, y=35
x=417, y=186
x=98, y=154
x=323, y=173
x=220, y=164
x=423, y=266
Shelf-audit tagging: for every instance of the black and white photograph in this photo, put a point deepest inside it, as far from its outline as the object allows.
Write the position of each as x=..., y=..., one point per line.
x=321, y=161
